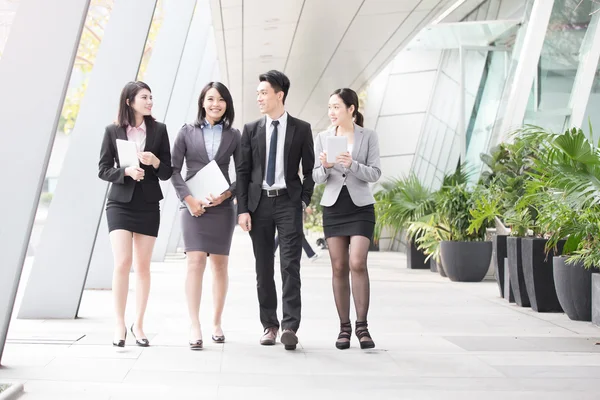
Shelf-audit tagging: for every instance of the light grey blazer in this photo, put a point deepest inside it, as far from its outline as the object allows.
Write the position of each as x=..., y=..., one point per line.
x=365, y=168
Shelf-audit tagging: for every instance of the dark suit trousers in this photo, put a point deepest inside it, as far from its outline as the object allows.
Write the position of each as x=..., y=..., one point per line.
x=281, y=214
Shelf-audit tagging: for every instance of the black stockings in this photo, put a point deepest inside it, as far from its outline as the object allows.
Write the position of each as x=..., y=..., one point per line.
x=349, y=257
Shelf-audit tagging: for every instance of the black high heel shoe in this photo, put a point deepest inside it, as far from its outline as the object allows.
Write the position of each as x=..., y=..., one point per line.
x=139, y=342
x=345, y=333
x=361, y=332
x=121, y=343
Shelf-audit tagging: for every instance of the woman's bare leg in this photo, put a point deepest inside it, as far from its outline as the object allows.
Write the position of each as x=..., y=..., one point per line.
x=142, y=250
x=196, y=264
x=121, y=243
x=219, y=265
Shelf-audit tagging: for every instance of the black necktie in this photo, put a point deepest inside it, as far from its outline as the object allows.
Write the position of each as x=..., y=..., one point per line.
x=272, y=155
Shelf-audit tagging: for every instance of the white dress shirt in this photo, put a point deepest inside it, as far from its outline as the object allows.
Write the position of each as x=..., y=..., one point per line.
x=279, y=167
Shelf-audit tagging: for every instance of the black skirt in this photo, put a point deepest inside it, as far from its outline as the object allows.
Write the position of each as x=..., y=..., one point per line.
x=138, y=216
x=344, y=218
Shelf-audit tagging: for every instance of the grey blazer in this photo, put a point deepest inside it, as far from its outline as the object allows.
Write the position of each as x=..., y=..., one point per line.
x=365, y=168
x=190, y=145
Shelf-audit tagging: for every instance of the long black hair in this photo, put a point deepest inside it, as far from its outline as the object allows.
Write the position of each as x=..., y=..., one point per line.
x=350, y=98
x=227, y=118
x=126, y=116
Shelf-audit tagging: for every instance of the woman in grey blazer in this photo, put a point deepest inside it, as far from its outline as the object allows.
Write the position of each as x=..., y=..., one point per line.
x=207, y=224
x=348, y=211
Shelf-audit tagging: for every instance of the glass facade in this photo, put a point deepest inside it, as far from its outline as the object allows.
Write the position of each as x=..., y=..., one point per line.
x=483, y=81
x=558, y=64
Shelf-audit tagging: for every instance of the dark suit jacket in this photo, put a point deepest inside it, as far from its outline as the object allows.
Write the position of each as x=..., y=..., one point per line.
x=190, y=145
x=251, y=169
x=109, y=169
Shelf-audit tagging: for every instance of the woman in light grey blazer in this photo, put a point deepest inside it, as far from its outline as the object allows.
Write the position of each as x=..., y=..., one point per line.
x=348, y=211
x=208, y=224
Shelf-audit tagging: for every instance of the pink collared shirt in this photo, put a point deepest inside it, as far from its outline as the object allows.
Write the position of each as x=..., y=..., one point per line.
x=137, y=135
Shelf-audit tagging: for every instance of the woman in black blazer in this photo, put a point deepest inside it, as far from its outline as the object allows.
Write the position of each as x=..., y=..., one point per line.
x=132, y=208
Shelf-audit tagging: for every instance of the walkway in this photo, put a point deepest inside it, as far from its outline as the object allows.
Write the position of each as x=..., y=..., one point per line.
x=435, y=340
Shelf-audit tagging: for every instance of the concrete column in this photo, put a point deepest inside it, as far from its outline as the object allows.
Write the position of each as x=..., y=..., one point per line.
x=183, y=98
x=27, y=150
x=160, y=76
x=66, y=244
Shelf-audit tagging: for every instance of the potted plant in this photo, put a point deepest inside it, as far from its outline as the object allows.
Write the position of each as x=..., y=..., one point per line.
x=509, y=165
x=400, y=202
x=464, y=253
x=571, y=178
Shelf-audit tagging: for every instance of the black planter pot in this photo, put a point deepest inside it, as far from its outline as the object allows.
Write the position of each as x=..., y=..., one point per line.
x=515, y=264
x=574, y=289
x=596, y=298
x=498, y=256
x=539, y=274
x=466, y=261
x=416, y=258
x=441, y=269
x=508, y=292
x=433, y=266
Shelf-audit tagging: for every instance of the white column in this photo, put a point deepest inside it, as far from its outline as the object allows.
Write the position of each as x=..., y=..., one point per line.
x=183, y=98
x=160, y=76
x=29, y=91
x=526, y=70
x=68, y=238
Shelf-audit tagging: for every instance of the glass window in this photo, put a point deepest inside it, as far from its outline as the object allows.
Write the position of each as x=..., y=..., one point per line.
x=558, y=64
x=486, y=108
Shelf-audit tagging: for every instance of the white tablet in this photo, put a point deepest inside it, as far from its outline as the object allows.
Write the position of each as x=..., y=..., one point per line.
x=336, y=145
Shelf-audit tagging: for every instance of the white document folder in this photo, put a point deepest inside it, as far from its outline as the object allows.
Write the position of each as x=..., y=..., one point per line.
x=209, y=180
x=336, y=145
x=127, y=152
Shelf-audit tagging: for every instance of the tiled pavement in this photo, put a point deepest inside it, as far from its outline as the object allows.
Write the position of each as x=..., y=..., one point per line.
x=435, y=340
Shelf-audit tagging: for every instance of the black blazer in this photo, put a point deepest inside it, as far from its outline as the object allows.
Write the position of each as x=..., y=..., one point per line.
x=157, y=142
x=251, y=169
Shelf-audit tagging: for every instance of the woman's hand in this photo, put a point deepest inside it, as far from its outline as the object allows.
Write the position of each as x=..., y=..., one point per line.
x=323, y=159
x=135, y=173
x=197, y=206
x=148, y=158
x=214, y=201
x=345, y=159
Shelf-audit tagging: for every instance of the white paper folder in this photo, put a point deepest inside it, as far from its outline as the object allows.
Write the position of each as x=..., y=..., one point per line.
x=127, y=152
x=209, y=180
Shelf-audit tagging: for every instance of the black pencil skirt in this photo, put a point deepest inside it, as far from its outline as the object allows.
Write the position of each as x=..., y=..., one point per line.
x=137, y=216
x=344, y=218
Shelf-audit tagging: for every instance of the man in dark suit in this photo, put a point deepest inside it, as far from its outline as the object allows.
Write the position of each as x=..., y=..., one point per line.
x=271, y=196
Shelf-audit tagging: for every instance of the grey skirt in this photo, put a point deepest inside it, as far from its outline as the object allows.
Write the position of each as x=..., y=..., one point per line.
x=211, y=232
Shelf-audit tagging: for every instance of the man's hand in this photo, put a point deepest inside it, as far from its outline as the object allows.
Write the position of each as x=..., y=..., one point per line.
x=245, y=222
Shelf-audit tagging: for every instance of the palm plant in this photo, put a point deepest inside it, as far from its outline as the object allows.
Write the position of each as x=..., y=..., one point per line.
x=566, y=187
x=437, y=226
x=502, y=196
x=400, y=202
